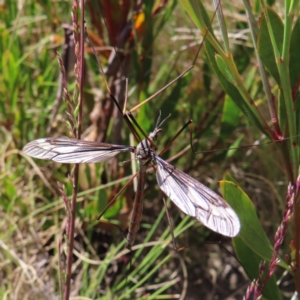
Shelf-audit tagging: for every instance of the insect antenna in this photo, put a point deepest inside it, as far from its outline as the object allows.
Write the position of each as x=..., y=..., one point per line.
x=158, y=123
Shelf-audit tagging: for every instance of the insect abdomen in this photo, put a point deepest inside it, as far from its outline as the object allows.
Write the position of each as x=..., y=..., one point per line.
x=137, y=210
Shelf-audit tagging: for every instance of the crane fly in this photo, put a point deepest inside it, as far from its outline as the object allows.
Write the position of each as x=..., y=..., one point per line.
x=191, y=196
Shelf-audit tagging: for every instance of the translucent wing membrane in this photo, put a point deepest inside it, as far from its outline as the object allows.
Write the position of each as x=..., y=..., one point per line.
x=66, y=150
x=196, y=200
x=192, y=197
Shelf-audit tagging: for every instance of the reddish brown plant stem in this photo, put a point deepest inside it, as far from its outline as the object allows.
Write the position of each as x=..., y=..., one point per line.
x=295, y=263
x=80, y=61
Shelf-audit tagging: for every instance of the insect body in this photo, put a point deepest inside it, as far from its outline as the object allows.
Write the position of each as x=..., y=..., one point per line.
x=192, y=197
x=145, y=155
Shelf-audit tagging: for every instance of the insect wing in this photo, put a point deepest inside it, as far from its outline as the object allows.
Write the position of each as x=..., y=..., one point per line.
x=66, y=150
x=197, y=200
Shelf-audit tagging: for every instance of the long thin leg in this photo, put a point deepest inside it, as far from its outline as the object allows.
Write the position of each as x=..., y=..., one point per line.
x=171, y=226
x=129, y=119
x=116, y=196
x=180, y=75
x=126, y=115
x=175, y=137
x=123, y=110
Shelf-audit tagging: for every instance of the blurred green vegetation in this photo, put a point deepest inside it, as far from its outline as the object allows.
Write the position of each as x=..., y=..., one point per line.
x=223, y=94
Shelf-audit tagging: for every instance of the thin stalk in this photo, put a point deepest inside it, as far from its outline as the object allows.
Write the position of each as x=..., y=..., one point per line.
x=283, y=67
x=222, y=24
x=147, y=259
x=71, y=234
x=143, y=280
x=282, y=61
x=296, y=241
x=286, y=88
x=81, y=70
x=80, y=60
x=253, y=25
x=239, y=83
x=296, y=269
x=270, y=99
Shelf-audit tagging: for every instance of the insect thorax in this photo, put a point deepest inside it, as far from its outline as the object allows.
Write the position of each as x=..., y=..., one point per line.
x=144, y=153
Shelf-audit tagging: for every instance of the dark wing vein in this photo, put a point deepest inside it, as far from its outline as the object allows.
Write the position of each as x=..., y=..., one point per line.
x=67, y=150
x=197, y=200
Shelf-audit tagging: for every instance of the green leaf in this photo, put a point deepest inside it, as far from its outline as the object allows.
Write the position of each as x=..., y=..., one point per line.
x=101, y=200
x=165, y=18
x=169, y=103
x=294, y=54
x=197, y=13
x=282, y=111
x=227, y=177
x=251, y=245
x=231, y=90
x=114, y=210
x=270, y=2
x=265, y=47
x=224, y=69
x=297, y=108
x=234, y=146
x=230, y=118
x=11, y=69
x=10, y=190
x=76, y=111
x=251, y=232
